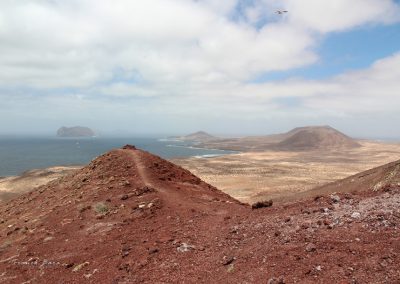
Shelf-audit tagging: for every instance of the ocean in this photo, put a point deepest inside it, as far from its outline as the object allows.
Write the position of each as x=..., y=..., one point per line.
x=21, y=154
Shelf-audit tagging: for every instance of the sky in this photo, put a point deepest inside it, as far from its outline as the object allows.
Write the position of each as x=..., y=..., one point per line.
x=232, y=67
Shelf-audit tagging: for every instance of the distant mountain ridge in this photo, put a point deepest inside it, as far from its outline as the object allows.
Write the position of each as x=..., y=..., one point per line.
x=199, y=136
x=315, y=137
x=298, y=139
x=76, y=131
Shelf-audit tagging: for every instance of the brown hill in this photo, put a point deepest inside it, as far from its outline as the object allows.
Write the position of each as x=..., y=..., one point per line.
x=314, y=138
x=131, y=217
x=306, y=138
x=386, y=176
x=122, y=212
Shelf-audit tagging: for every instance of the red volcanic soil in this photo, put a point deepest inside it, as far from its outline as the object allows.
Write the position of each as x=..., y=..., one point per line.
x=131, y=217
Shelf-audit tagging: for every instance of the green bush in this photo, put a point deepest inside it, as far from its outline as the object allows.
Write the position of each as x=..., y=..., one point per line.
x=101, y=208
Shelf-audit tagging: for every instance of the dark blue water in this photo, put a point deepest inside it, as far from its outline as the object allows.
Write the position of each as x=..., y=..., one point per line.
x=20, y=154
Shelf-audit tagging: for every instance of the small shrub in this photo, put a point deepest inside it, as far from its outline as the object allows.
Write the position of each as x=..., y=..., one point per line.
x=5, y=245
x=101, y=208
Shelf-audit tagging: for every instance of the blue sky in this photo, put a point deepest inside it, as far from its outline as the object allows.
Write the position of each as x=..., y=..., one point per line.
x=229, y=67
x=346, y=51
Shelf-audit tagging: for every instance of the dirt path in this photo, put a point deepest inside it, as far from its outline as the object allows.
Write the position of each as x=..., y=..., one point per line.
x=172, y=196
x=141, y=169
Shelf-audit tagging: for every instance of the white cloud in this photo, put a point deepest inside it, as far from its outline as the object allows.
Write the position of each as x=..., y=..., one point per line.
x=373, y=90
x=50, y=44
x=335, y=15
x=190, y=57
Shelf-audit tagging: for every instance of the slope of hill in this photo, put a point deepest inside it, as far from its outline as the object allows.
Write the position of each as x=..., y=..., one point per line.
x=375, y=179
x=123, y=211
x=131, y=217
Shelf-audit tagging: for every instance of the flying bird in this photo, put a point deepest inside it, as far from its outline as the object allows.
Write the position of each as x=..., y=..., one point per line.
x=281, y=12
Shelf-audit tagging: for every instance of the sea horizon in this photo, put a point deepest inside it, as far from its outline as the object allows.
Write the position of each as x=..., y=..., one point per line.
x=23, y=153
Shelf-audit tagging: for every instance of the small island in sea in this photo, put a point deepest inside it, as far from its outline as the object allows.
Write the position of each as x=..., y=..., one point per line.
x=76, y=131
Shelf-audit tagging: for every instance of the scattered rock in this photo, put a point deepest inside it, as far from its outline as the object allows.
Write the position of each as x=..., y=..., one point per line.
x=80, y=266
x=124, y=197
x=356, y=215
x=230, y=268
x=228, y=260
x=184, y=247
x=83, y=208
x=262, y=204
x=201, y=248
x=335, y=198
x=48, y=239
x=129, y=147
x=153, y=250
x=69, y=265
x=279, y=280
x=142, y=190
x=88, y=275
x=311, y=247
x=318, y=197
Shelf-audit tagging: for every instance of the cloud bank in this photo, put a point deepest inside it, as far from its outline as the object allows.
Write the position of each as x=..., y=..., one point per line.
x=182, y=60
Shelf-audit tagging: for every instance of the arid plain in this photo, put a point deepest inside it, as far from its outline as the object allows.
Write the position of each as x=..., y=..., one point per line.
x=10, y=187
x=278, y=175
